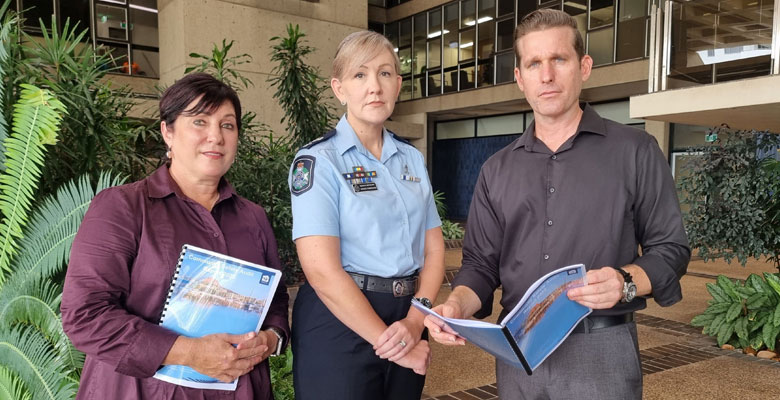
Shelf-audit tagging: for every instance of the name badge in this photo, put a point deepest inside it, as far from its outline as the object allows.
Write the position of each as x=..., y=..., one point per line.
x=361, y=180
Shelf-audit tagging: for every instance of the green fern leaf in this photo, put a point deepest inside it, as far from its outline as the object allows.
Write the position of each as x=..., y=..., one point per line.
x=11, y=386
x=37, y=115
x=27, y=353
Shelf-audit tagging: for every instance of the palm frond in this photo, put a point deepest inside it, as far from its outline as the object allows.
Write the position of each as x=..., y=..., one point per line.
x=27, y=353
x=11, y=386
x=45, y=248
x=37, y=116
x=10, y=20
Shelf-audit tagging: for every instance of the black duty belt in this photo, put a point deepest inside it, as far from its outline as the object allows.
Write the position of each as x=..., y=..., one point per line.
x=592, y=323
x=403, y=286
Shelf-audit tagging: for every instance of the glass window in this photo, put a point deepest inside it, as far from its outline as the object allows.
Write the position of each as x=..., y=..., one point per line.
x=529, y=119
x=419, y=45
x=466, y=77
x=391, y=32
x=468, y=12
x=117, y=54
x=505, y=65
x=485, y=72
x=524, y=7
x=111, y=22
x=146, y=63
x=405, y=36
x=434, y=82
x=450, y=80
x=434, y=53
x=450, y=49
x=434, y=24
x=405, y=56
x=600, y=46
x=36, y=11
x=419, y=86
x=487, y=11
x=143, y=25
x=501, y=125
x=487, y=37
x=455, y=129
x=506, y=29
x=602, y=13
x=466, y=45
x=631, y=28
x=406, y=89
x=505, y=7
x=77, y=11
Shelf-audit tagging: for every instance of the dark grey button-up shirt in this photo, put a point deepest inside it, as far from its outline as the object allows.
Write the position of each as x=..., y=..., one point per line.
x=606, y=191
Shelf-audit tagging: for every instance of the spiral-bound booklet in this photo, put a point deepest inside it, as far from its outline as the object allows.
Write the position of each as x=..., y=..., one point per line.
x=214, y=293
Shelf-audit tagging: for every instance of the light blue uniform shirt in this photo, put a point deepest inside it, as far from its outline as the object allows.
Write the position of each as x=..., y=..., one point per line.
x=382, y=232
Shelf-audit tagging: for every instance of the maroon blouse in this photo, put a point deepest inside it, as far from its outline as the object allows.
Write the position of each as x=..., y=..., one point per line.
x=121, y=265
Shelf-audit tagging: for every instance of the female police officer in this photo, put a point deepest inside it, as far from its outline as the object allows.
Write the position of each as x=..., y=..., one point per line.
x=368, y=238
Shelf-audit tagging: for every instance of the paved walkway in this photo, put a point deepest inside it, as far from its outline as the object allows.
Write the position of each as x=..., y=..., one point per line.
x=677, y=361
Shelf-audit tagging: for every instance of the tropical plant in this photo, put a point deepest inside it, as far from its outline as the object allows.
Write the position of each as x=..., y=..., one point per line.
x=743, y=313
x=223, y=66
x=450, y=230
x=731, y=192
x=299, y=88
x=98, y=134
x=281, y=376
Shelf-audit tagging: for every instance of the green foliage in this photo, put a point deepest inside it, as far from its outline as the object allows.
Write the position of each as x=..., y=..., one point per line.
x=97, y=134
x=37, y=116
x=734, y=197
x=299, y=88
x=282, y=376
x=743, y=313
x=450, y=230
x=222, y=66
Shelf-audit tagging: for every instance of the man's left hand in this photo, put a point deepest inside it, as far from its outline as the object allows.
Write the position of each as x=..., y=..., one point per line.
x=604, y=289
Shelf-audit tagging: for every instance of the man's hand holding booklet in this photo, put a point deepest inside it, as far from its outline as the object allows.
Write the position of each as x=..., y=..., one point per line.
x=535, y=327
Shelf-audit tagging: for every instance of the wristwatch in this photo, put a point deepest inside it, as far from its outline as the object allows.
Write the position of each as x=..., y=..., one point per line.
x=279, y=343
x=424, y=301
x=629, y=287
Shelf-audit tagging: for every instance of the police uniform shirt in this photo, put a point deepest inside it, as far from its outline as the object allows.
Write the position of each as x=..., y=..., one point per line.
x=380, y=209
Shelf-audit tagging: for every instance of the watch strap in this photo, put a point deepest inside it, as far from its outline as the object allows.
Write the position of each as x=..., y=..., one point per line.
x=279, y=343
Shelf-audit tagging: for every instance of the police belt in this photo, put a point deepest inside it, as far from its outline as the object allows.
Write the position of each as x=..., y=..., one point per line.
x=399, y=287
x=592, y=323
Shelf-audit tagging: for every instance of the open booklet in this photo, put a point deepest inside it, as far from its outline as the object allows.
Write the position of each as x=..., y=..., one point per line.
x=538, y=324
x=214, y=293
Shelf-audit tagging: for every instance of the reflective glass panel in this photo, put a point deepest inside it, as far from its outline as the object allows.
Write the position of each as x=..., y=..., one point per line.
x=505, y=65
x=144, y=28
x=505, y=7
x=434, y=53
x=466, y=45
x=631, y=28
x=500, y=125
x=602, y=12
x=600, y=46
x=450, y=49
x=434, y=83
x=485, y=72
x=146, y=63
x=506, y=29
x=405, y=38
x=110, y=22
x=487, y=39
x=405, y=56
x=466, y=77
x=468, y=12
x=455, y=129
x=406, y=89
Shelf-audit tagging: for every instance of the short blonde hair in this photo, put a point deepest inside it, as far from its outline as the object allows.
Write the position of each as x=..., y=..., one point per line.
x=358, y=48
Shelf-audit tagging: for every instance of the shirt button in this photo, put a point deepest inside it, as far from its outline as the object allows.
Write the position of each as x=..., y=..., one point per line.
x=552, y=190
x=546, y=256
x=549, y=222
x=216, y=234
x=554, y=157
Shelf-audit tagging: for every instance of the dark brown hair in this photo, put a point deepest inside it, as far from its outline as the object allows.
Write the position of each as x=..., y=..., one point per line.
x=211, y=91
x=544, y=19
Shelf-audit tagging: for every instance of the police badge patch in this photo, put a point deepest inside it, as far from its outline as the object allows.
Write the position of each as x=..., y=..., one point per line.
x=302, y=174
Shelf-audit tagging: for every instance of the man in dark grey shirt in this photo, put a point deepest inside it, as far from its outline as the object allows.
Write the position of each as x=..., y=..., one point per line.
x=574, y=188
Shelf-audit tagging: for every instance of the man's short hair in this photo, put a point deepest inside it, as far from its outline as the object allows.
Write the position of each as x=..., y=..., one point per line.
x=545, y=19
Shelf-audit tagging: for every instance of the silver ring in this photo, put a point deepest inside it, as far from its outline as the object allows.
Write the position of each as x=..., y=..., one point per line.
x=402, y=343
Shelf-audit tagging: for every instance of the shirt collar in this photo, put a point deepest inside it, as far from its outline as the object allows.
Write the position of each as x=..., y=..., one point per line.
x=590, y=122
x=346, y=138
x=160, y=184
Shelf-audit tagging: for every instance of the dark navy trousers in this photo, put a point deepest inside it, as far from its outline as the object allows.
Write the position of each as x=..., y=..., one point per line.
x=330, y=361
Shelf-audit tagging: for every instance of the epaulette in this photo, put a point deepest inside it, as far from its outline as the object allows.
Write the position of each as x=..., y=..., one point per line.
x=320, y=139
x=398, y=138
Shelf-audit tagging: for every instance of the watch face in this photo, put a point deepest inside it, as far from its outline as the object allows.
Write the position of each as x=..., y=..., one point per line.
x=631, y=292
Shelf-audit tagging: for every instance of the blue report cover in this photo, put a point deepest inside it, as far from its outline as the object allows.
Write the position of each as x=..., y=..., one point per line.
x=214, y=293
x=535, y=327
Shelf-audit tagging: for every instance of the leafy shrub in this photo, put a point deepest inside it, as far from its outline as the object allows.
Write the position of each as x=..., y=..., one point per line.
x=733, y=196
x=282, y=376
x=743, y=313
